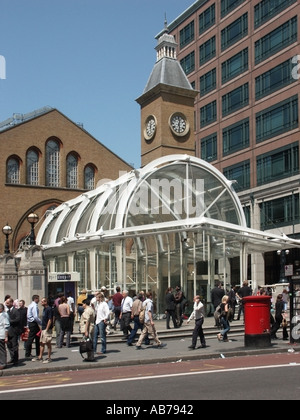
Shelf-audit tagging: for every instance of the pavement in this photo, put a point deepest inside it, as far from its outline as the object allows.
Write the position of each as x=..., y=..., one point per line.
x=175, y=350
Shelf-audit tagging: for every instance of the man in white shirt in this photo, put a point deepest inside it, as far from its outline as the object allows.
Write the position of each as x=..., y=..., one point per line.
x=102, y=318
x=149, y=327
x=125, y=315
x=71, y=303
x=198, y=315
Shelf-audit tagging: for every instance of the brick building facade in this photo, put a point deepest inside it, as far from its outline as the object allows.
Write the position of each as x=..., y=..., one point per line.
x=45, y=160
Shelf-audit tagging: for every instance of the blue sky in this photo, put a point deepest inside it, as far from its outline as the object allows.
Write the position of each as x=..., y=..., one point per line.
x=90, y=59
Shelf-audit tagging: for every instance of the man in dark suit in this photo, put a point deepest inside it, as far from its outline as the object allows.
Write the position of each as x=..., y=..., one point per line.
x=216, y=297
x=13, y=332
x=170, y=308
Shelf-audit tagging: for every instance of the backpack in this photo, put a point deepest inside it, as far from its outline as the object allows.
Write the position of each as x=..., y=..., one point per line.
x=142, y=314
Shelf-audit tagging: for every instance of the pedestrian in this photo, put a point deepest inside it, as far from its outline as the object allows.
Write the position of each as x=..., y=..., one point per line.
x=80, y=299
x=65, y=322
x=125, y=315
x=14, y=331
x=222, y=336
x=216, y=297
x=170, y=308
x=117, y=300
x=4, y=326
x=178, y=301
x=149, y=327
x=46, y=334
x=244, y=291
x=102, y=319
x=34, y=324
x=56, y=322
x=86, y=325
x=135, y=310
x=198, y=316
x=23, y=318
x=279, y=311
x=71, y=303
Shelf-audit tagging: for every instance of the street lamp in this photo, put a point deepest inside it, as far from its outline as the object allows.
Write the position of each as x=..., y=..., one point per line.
x=32, y=218
x=7, y=230
x=283, y=254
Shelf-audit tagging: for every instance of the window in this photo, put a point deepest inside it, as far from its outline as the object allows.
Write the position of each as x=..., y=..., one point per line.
x=13, y=171
x=236, y=137
x=276, y=40
x=208, y=82
x=32, y=162
x=89, y=178
x=208, y=114
x=72, y=166
x=278, y=164
x=52, y=163
x=207, y=19
x=187, y=34
x=274, y=79
x=234, y=32
x=207, y=50
x=209, y=148
x=280, y=212
x=266, y=9
x=239, y=173
x=236, y=99
x=235, y=65
x=277, y=119
x=228, y=5
x=188, y=63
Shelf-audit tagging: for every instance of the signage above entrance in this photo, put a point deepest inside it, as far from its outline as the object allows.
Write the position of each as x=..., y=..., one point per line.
x=57, y=277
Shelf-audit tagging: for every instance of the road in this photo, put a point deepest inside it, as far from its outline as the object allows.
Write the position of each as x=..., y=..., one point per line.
x=274, y=377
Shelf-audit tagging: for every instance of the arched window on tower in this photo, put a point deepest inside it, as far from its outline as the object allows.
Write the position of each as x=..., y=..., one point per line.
x=13, y=171
x=72, y=171
x=32, y=167
x=52, y=163
x=89, y=177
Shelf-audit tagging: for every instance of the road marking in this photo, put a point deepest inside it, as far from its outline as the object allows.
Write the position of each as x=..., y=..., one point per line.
x=110, y=381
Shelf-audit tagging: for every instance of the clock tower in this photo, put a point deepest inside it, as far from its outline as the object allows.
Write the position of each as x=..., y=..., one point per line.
x=167, y=106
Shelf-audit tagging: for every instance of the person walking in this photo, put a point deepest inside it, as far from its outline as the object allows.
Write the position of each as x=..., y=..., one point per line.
x=117, y=300
x=222, y=336
x=65, y=322
x=46, y=334
x=244, y=291
x=178, y=302
x=4, y=326
x=102, y=319
x=170, y=308
x=135, y=310
x=217, y=294
x=198, y=316
x=34, y=324
x=149, y=327
x=125, y=315
x=86, y=325
x=14, y=331
x=279, y=311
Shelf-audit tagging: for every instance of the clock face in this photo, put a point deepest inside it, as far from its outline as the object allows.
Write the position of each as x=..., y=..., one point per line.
x=150, y=127
x=178, y=124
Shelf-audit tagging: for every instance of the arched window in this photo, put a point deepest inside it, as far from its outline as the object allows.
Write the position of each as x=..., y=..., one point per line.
x=89, y=178
x=72, y=165
x=32, y=162
x=13, y=171
x=52, y=163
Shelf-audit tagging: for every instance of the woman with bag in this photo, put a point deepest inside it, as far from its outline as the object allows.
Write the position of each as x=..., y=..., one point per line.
x=222, y=336
x=86, y=325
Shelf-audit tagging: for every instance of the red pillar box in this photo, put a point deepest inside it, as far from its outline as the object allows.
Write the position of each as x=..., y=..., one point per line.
x=257, y=321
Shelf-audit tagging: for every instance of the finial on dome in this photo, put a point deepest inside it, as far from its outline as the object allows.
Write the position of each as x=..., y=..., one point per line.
x=166, y=24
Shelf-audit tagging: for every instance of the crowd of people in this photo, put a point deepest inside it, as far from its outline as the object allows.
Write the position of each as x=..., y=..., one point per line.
x=101, y=313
